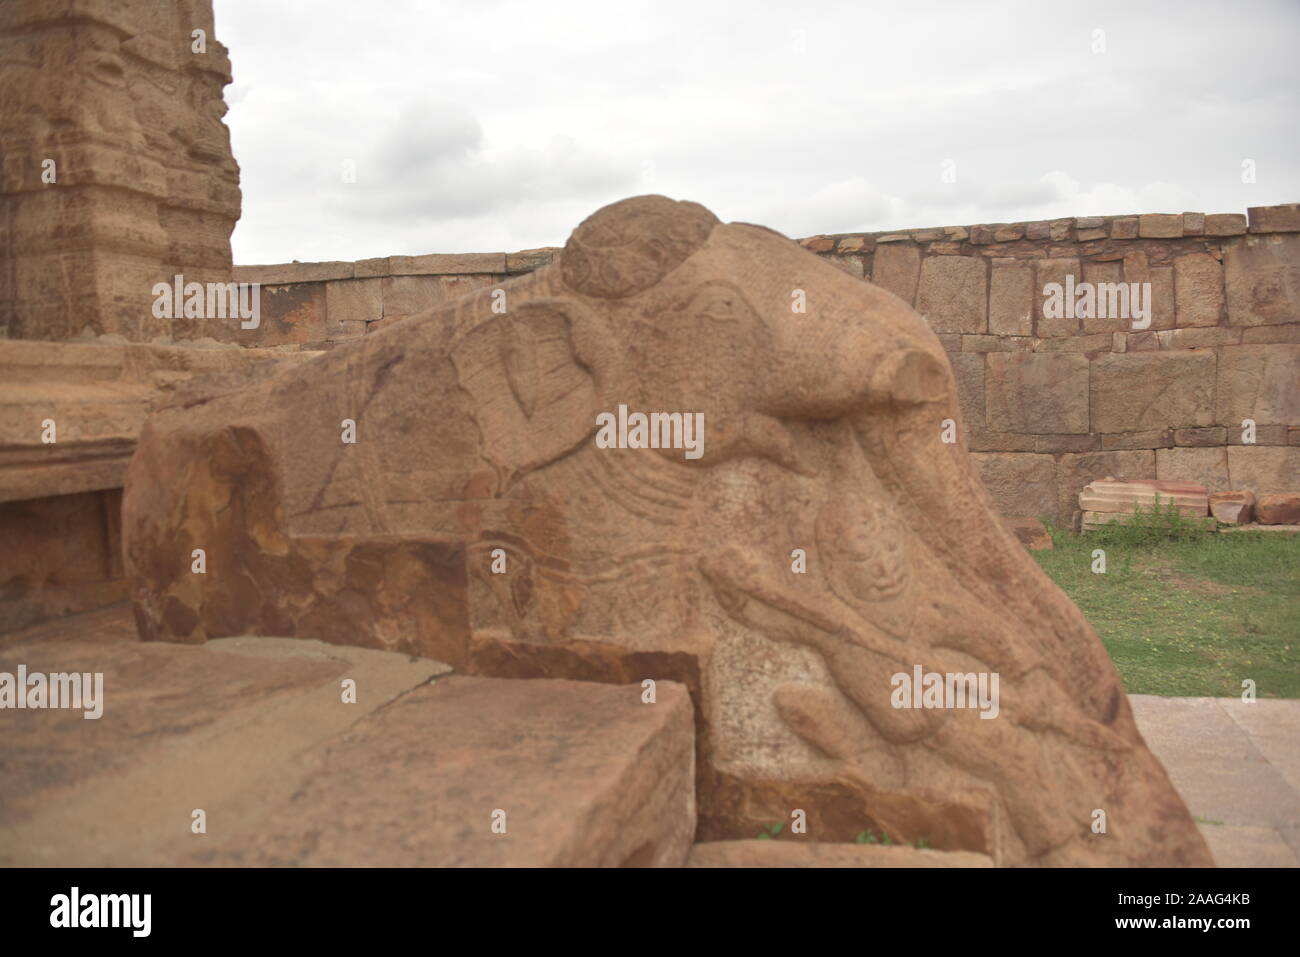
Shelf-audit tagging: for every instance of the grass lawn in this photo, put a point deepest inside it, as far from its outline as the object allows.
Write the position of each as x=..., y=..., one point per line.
x=1188, y=612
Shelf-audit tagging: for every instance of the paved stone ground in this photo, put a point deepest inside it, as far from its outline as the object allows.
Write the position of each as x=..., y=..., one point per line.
x=251, y=730
x=1237, y=766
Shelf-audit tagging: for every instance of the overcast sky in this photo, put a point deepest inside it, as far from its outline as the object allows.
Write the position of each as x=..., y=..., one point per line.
x=490, y=125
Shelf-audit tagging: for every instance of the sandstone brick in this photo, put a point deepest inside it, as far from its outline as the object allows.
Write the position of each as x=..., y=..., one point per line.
x=1059, y=229
x=1040, y=230
x=1193, y=224
x=979, y=441
x=1208, y=467
x=1262, y=280
x=1067, y=443
x=1278, y=509
x=1198, y=290
x=1233, y=508
x=1183, y=338
x=969, y=371
x=1073, y=472
x=944, y=249
x=1160, y=225
x=1289, y=333
x=981, y=235
x=526, y=260
x=1225, y=224
x=1099, y=342
x=819, y=244
x=1007, y=234
x=854, y=244
x=286, y=274
x=360, y=300
x=928, y=235
x=1264, y=469
x=1210, y=436
x=407, y=295
x=1088, y=222
x=372, y=268
x=850, y=264
x=1054, y=271
x=1087, y=235
x=1124, y=227
x=1284, y=218
x=1264, y=434
x=893, y=238
x=1020, y=483
x=1137, y=391
x=897, y=268
x=1097, y=274
x=1151, y=439
x=1037, y=392
x=448, y=264
x=1260, y=383
x=956, y=232
x=295, y=313
x=1011, y=300
x=953, y=294
x=1119, y=342
x=1161, y=302
x=1111, y=495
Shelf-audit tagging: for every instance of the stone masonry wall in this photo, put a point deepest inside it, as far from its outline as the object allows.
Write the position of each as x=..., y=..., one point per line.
x=1048, y=404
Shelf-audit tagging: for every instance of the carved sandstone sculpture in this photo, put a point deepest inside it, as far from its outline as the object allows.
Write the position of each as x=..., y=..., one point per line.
x=825, y=540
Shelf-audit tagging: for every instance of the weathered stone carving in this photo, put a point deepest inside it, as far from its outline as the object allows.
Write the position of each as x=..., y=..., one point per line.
x=475, y=520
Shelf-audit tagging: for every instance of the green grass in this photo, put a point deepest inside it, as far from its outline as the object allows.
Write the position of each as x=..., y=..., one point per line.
x=1188, y=612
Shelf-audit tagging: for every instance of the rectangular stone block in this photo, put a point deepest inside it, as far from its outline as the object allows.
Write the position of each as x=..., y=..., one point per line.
x=1073, y=472
x=1102, y=275
x=969, y=371
x=407, y=295
x=1099, y=342
x=1183, y=338
x=1289, y=333
x=1208, y=467
x=444, y=264
x=1037, y=392
x=1225, y=224
x=1284, y=218
x=998, y=343
x=1049, y=272
x=1198, y=290
x=1151, y=439
x=526, y=260
x=953, y=294
x=1138, y=391
x=1067, y=443
x=1124, y=227
x=1000, y=442
x=1263, y=434
x=1260, y=383
x=1193, y=224
x=1210, y=436
x=354, y=300
x=1160, y=225
x=1111, y=495
x=1262, y=280
x=1264, y=470
x=897, y=268
x=1021, y=484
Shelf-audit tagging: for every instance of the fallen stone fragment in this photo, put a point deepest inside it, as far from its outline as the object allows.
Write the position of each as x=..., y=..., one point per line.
x=1280, y=509
x=1233, y=508
x=801, y=853
x=1111, y=495
x=1031, y=532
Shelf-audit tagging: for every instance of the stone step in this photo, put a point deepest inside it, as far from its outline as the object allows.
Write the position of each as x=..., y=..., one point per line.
x=803, y=853
x=256, y=733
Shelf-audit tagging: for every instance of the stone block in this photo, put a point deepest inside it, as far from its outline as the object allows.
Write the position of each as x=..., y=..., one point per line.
x=953, y=294
x=1037, y=392
x=1138, y=391
x=1198, y=290
x=354, y=300
x=1262, y=280
x=1022, y=484
x=1073, y=472
x=897, y=268
x=1233, y=508
x=1160, y=225
x=1048, y=271
x=1284, y=218
x=1260, y=383
x=1278, y=509
x=1225, y=224
x=969, y=371
x=1102, y=276
x=1208, y=467
x=1264, y=470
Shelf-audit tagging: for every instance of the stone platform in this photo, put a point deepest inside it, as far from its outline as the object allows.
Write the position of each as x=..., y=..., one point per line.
x=255, y=732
